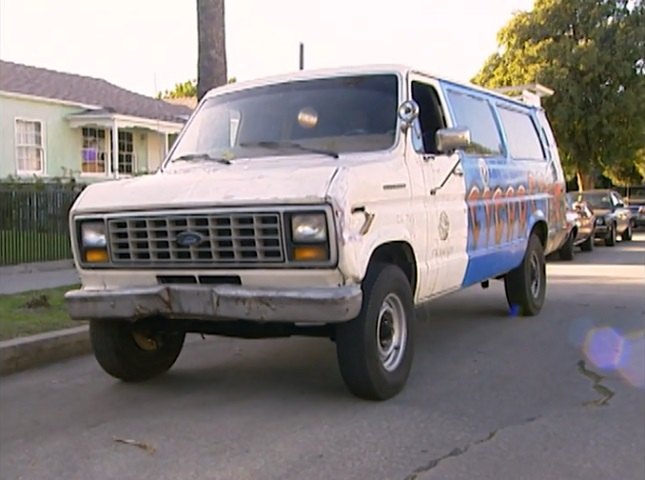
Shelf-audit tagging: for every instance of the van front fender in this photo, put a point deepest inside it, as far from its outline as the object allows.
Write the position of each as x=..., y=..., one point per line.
x=355, y=254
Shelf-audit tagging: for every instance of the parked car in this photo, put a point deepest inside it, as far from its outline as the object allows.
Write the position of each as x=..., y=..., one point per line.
x=635, y=201
x=612, y=217
x=581, y=224
x=322, y=203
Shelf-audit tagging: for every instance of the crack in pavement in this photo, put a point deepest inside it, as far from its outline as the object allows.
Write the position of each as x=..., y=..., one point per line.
x=456, y=452
x=605, y=392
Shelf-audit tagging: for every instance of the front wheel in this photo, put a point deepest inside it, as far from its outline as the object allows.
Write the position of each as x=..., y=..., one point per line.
x=133, y=354
x=525, y=286
x=610, y=239
x=375, y=349
x=566, y=251
x=587, y=245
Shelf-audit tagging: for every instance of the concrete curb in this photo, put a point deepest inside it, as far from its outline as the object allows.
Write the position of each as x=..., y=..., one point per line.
x=27, y=352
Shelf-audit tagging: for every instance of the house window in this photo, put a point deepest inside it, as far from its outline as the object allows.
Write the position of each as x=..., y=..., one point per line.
x=93, y=153
x=126, y=152
x=30, y=153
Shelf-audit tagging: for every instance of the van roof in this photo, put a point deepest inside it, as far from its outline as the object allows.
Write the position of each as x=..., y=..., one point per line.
x=399, y=69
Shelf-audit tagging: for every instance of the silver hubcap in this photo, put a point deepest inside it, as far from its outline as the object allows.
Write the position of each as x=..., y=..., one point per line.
x=535, y=275
x=391, y=332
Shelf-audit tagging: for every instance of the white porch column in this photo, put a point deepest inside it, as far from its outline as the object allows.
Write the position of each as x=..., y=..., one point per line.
x=165, y=151
x=115, y=149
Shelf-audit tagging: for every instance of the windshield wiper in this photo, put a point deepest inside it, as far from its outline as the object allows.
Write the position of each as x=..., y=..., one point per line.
x=294, y=145
x=201, y=156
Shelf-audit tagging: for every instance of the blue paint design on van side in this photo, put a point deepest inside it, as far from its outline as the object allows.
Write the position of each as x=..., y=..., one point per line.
x=505, y=198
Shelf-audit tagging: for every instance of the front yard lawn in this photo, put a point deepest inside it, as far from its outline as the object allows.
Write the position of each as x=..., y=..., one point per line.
x=39, y=311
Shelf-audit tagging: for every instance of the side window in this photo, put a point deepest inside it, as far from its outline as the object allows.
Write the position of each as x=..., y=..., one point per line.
x=477, y=115
x=523, y=140
x=431, y=117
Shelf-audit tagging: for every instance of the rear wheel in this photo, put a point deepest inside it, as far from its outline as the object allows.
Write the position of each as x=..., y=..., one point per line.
x=525, y=286
x=566, y=251
x=131, y=353
x=610, y=239
x=375, y=349
x=626, y=236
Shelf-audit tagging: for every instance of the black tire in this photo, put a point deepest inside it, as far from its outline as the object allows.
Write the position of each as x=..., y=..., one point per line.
x=566, y=251
x=626, y=236
x=119, y=354
x=588, y=244
x=525, y=286
x=610, y=239
x=359, y=341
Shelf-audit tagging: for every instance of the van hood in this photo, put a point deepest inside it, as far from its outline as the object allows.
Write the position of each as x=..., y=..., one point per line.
x=206, y=185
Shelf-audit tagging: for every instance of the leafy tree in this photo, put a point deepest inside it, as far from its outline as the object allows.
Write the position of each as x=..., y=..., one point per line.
x=181, y=90
x=591, y=52
x=185, y=89
x=212, y=45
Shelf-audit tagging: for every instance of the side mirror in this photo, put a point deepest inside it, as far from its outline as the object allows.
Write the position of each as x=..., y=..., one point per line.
x=450, y=139
x=408, y=113
x=620, y=205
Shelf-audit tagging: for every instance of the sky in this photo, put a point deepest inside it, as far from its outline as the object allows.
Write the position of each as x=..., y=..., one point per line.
x=149, y=45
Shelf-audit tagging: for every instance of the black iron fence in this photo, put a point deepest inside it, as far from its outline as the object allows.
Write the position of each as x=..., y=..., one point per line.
x=34, y=222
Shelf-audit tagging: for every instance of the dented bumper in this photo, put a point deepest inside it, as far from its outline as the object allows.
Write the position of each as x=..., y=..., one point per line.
x=221, y=302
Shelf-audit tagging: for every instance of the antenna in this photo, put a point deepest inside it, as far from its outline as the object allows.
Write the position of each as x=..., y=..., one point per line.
x=302, y=56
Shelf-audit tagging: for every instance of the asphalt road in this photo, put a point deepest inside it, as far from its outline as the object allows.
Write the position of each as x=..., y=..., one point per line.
x=490, y=397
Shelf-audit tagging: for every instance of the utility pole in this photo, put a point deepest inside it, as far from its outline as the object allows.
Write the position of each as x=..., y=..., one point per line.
x=302, y=56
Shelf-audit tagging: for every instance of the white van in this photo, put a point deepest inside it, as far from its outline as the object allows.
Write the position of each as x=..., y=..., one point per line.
x=322, y=203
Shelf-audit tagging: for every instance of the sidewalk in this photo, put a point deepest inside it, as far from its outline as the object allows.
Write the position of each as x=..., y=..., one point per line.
x=24, y=278
x=22, y=353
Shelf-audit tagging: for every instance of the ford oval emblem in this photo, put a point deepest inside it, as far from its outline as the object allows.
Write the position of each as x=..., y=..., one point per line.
x=189, y=239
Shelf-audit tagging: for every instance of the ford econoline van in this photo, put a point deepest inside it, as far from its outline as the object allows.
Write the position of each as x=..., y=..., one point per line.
x=324, y=203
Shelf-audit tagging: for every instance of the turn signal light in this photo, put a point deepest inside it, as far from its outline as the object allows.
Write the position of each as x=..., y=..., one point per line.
x=310, y=253
x=96, y=255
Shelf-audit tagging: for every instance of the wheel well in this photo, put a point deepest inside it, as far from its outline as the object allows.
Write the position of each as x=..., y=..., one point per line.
x=401, y=255
x=541, y=231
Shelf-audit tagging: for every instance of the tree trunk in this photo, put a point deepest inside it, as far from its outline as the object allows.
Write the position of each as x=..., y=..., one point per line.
x=586, y=180
x=211, y=71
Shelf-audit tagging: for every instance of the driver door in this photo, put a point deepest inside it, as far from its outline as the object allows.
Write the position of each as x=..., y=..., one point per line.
x=447, y=230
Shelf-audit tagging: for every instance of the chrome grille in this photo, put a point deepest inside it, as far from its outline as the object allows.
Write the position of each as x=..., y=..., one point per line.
x=226, y=239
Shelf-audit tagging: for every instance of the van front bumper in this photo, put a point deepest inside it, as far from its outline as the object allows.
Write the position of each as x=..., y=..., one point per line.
x=221, y=302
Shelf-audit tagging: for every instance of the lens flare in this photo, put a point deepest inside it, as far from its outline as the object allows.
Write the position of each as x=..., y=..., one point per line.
x=604, y=348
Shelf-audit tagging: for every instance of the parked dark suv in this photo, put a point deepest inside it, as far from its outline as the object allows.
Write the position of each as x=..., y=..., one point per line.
x=635, y=201
x=612, y=217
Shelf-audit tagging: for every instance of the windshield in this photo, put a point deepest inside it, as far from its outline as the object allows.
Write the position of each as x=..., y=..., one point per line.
x=323, y=116
x=598, y=200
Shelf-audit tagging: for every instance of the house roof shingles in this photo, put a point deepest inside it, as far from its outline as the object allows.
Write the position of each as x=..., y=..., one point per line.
x=40, y=82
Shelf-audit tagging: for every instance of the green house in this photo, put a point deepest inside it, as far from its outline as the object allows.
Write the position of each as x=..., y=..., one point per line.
x=55, y=124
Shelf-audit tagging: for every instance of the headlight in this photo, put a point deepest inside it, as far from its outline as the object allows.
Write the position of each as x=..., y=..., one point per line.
x=93, y=235
x=600, y=221
x=641, y=209
x=93, y=242
x=309, y=228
